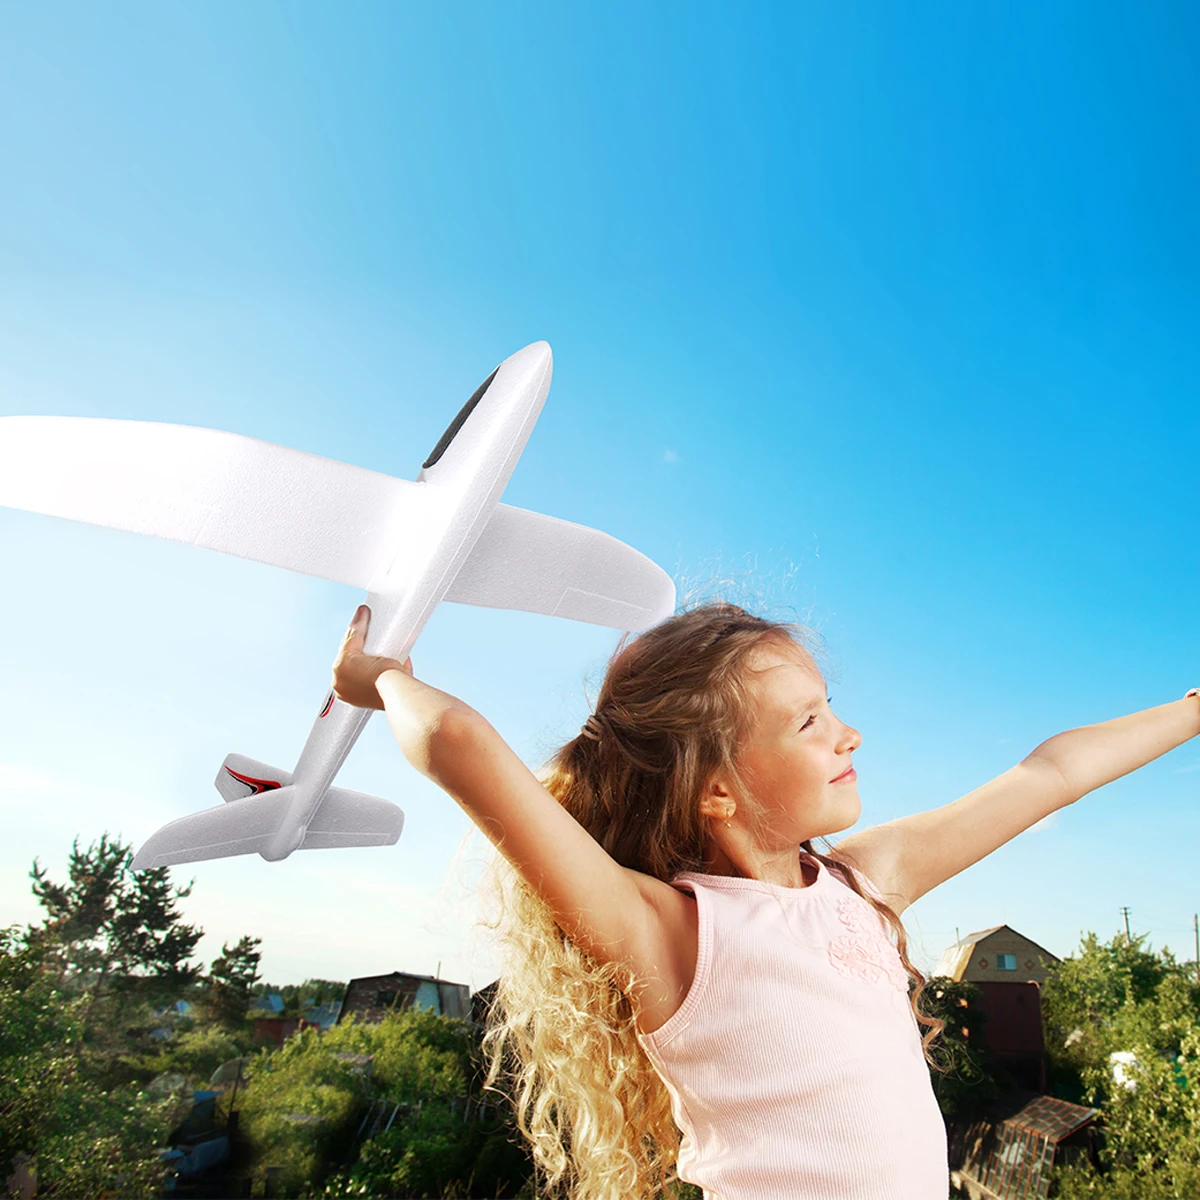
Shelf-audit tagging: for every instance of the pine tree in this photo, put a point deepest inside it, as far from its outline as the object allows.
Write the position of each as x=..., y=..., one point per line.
x=116, y=938
x=230, y=985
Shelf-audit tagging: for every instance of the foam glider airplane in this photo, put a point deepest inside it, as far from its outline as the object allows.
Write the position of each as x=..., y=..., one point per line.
x=410, y=544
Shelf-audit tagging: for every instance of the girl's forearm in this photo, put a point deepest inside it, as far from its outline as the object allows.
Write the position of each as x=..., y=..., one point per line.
x=1093, y=755
x=416, y=712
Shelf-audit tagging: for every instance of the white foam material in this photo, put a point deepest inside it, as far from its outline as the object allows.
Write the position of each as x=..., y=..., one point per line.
x=409, y=544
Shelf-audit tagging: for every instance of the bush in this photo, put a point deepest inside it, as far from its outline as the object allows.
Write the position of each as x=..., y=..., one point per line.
x=299, y=1109
x=1121, y=997
x=85, y=1140
x=303, y=1106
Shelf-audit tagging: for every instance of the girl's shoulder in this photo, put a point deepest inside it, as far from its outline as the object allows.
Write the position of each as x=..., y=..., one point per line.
x=866, y=857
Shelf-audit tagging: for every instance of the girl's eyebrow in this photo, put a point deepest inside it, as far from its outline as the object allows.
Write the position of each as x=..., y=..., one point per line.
x=808, y=706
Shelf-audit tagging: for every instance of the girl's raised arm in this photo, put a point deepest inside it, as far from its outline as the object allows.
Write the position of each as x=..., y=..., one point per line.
x=597, y=903
x=910, y=856
x=603, y=907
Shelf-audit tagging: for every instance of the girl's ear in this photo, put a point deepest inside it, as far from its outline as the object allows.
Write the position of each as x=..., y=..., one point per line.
x=715, y=801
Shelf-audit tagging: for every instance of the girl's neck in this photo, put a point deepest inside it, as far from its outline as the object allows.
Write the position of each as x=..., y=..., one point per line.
x=786, y=869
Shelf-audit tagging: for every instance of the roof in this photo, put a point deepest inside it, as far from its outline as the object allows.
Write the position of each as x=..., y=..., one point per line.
x=1052, y=1118
x=1011, y=1149
x=402, y=975
x=324, y=1015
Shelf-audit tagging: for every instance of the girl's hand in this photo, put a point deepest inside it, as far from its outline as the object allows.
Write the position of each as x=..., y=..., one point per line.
x=354, y=673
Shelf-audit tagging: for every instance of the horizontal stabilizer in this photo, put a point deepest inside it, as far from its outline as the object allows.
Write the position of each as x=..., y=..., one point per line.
x=248, y=825
x=242, y=828
x=240, y=777
x=348, y=818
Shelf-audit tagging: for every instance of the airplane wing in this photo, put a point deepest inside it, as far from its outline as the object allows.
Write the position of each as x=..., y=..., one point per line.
x=528, y=561
x=210, y=488
x=273, y=504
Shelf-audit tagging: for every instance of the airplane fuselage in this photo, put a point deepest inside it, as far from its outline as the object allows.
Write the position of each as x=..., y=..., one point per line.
x=462, y=481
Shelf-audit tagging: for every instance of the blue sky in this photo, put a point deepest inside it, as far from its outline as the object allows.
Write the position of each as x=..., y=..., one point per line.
x=885, y=314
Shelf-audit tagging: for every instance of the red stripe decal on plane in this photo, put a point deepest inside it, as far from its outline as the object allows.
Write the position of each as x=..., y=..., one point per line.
x=259, y=785
x=328, y=705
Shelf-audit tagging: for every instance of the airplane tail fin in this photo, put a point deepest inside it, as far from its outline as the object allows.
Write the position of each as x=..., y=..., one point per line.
x=247, y=823
x=240, y=777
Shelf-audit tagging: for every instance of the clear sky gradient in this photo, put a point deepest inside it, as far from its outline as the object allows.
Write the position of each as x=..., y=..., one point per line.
x=886, y=314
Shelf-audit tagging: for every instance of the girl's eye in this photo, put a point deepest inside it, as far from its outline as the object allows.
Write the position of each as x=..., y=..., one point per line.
x=828, y=700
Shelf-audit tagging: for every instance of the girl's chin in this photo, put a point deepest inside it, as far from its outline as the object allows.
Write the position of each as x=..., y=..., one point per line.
x=849, y=811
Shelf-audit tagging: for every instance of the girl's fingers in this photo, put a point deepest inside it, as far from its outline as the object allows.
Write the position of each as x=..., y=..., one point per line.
x=359, y=622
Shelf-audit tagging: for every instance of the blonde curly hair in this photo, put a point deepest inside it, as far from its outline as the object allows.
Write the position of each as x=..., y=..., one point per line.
x=672, y=711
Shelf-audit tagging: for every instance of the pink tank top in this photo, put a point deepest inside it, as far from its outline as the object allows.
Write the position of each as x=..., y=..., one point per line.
x=794, y=1064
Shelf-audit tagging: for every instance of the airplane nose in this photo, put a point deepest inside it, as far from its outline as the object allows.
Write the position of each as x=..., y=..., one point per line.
x=534, y=357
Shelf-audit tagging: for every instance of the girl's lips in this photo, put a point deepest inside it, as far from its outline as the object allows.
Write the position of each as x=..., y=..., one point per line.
x=848, y=777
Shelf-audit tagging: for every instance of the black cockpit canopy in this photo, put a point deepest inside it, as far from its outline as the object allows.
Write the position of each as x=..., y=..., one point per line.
x=455, y=425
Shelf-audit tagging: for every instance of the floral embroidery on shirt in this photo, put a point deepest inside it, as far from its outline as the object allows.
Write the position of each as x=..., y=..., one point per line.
x=864, y=953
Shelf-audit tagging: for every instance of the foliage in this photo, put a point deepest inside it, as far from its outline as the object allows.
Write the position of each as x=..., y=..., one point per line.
x=417, y=1054
x=1120, y=996
x=303, y=1106
x=968, y=1078
x=423, y=1155
x=1152, y=1147
x=298, y=996
x=230, y=985
x=113, y=929
x=299, y=1104
x=1105, y=998
x=85, y=1140
x=197, y=1053
x=114, y=938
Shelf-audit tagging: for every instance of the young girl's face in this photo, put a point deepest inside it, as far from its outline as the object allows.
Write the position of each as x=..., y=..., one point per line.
x=797, y=759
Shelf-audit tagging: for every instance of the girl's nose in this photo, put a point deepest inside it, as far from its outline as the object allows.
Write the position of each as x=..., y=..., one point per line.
x=851, y=739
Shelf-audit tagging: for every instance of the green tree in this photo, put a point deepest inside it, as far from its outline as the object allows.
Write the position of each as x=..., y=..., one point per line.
x=115, y=938
x=303, y=1106
x=197, y=1053
x=1107, y=996
x=300, y=1108
x=1121, y=996
x=115, y=928
x=85, y=1140
x=230, y=985
x=321, y=991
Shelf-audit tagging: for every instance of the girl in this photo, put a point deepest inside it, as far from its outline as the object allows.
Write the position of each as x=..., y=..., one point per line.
x=680, y=958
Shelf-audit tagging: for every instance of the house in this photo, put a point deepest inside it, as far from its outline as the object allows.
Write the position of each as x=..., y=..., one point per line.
x=996, y=955
x=1008, y=969
x=372, y=997
x=1008, y=1154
